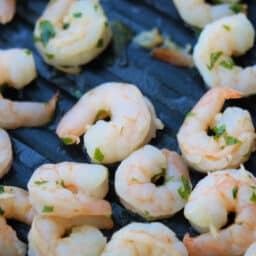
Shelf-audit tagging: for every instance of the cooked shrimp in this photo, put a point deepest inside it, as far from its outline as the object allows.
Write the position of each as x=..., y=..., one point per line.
x=70, y=190
x=233, y=134
x=140, y=239
x=6, y=154
x=26, y=114
x=213, y=58
x=251, y=250
x=17, y=67
x=198, y=13
x=7, y=10
x=58, y=237
x=153, y=183
x=72, y=33
x=14, y=204
x=132, y=122
x=213, y=198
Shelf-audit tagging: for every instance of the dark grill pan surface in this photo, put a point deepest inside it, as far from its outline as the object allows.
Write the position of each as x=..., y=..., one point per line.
x=172, y=90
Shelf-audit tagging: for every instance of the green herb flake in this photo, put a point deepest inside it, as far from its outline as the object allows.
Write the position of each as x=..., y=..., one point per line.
x=218, y=131
x=1, y=211
x=62, y=183
x=158, y=176
x=253, y=197
x=226, y=27
x=66, y=26
x=40, y=182
x=100, y=43
x=185, y=190
x=47, y=208
x=67, y=141
x=77, y=15
x=28, y=52
x=146, y=214
x=228, y=64
x=234, y=191
x=98, y=155
x=106, y=24
x=168, y=179
x=231, y=140
x=2, y=189
x=213, y=59
x=96, y=7
x=49, y=56
x=134, y=179
x=236, y=8
x=47, y=31
x=190, y=114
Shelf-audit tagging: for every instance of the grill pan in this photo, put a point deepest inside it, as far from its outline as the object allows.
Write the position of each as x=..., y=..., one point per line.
x=172, y=90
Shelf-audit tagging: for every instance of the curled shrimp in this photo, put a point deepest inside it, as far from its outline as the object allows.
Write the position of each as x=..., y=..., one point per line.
x=26, y=114
x=14, y=204
x=132, y=123
x=213, y=198
x=59, y=237
x=72, y=33
x=70, y=190
x=7, y=10
x=139, y=239
x=6, y=155
x=198, y=13
x=233, y=134
x=138, y=182
x=17, y=67
x=251, y=250
x=213, y=58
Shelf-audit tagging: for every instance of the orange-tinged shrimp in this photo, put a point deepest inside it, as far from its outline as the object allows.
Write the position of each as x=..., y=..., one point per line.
x=7, y=10
x=6, y=155
x=26, y=114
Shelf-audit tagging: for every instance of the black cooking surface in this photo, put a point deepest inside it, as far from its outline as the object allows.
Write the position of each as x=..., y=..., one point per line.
x=172, y=90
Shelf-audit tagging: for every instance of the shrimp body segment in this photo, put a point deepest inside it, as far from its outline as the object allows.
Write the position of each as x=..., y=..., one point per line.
x=213, y=58
x=198, y=13
x=213, y=198
x=233, y=133
x=139, y=239
x=14, y=204
x=7, y=11
x=58, y=237
x=15, y=114
x=132, y=122
x=136, y=182
x=70, y=190
x=72, y=33
x=251, y=250
x=6, y=154
x=17, y=67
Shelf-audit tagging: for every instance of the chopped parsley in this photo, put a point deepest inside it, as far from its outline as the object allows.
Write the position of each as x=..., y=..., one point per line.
x=147, y=214
x=228, y=64
x=185, y=190
x=100, y=43
x=253, y=197
x=168, y=179
x=228, y=28
x=47, y=32
x=77, y=15
x=98, y=155
x=67, y=140
x=48, y=208
x=214, y=58
x=28, y=52
x=134, y=179
x=106, y=24
x=231, y=140
x=2, y=189
x=218, y=131
x=96, y=7
x=190, y=114
x=236, y=8
x=40, y=182
x=49, y=56
x=101, y=115
x=66, y=25
x=234, y=191
x=1, y=211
